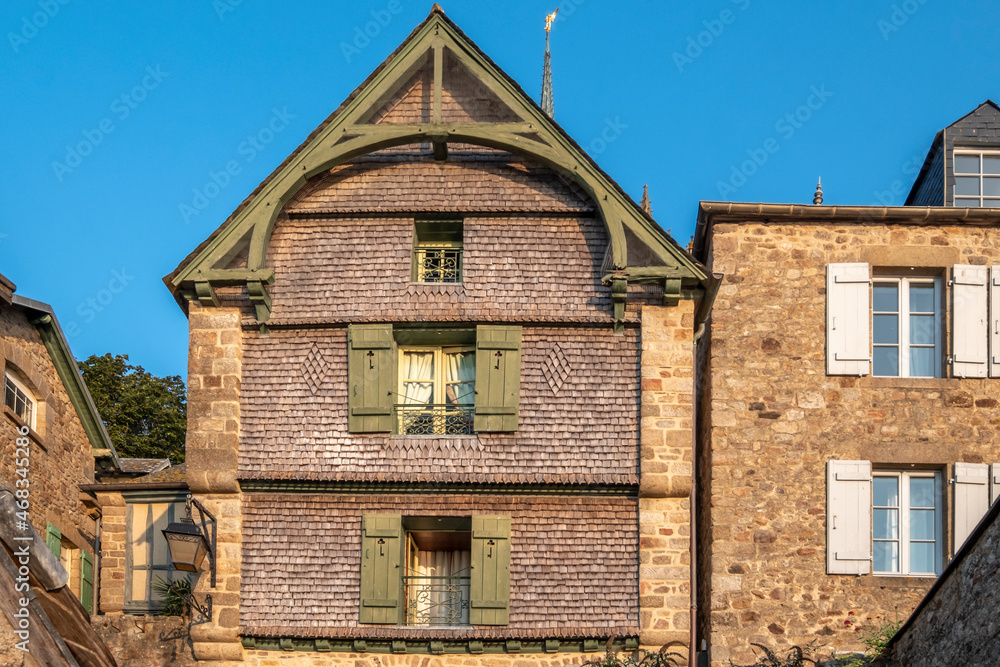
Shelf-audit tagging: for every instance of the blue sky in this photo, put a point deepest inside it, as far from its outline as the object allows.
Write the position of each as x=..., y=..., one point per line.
x=117, y=115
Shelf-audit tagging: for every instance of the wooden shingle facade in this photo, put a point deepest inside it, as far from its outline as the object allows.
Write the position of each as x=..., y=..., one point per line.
x=440, y=387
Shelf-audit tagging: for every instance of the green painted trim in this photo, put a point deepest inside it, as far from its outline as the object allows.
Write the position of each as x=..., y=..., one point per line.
x=301, y=486
x=438, y=646
x=349, y=135
x=43, y=318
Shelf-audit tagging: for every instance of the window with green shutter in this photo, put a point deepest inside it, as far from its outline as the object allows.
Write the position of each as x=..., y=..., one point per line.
x=435, y=571
x=371, y=367
x=53, y=539
x=489, y=602
x=498, y=377
x=381, y=550
x=87, y=581
x=423, y=380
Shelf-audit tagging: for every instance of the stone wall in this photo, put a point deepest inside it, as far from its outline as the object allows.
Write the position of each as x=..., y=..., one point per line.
x=212, y=451
x=665, y=482
x=957, y=624
x=776, y=418
x=61, y=457
x=146, y=641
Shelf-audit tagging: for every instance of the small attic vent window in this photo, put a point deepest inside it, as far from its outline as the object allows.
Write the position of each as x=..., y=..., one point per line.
x=437, y=252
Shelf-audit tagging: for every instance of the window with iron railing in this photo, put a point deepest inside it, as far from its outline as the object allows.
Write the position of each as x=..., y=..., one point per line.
x=437, y=252
x=438, y=388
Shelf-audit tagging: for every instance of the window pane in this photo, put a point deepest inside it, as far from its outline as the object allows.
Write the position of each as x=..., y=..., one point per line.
x=967, y=203
x=991, y=186
x=991, y=164
x=885, y=492
x=922, y=557
x=922, y=492
x=922, y=362
x=922, y=298
x=886, y=297
x=922, y=524
x=966, y=185
x=967, y=164
x=885, y=557
x=885, y=524
x=886, y=329
x=922, y=330
x=885, y=361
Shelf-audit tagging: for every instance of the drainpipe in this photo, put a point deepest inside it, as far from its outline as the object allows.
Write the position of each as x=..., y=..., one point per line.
x=95, y=601
x=702, y=314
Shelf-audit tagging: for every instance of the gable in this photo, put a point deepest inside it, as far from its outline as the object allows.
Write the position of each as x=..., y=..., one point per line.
x=440, y=75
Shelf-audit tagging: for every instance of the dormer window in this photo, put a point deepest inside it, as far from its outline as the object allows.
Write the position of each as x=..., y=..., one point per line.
x=19, y=399
x=437, y=252
x=977, y=180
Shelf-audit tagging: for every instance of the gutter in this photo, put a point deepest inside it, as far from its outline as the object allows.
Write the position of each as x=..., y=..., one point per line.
x=45, y=321
x=148, y=486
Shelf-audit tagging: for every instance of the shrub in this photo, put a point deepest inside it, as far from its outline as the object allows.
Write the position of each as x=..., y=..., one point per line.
x=172, y=596
x=797, y=656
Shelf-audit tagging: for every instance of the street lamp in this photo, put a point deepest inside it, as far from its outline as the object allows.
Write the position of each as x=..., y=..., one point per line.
x=191, y=542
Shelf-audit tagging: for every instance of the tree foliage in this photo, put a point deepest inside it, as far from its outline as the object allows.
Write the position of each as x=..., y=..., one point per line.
x=145, y=415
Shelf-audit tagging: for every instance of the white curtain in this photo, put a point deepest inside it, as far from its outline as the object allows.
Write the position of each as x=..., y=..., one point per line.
x=418, y=387
x=460, y=378
x=442, y=598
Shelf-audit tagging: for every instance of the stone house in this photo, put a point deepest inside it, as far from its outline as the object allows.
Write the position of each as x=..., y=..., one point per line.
x=440, y=388
x=847, y=440
x=54, y=440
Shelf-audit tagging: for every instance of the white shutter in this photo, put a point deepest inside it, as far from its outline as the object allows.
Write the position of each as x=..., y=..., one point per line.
x=970, y=329
x=848, y=517
x=848, y=351
x=994, y=321
x=972, y=498
x=994, y=482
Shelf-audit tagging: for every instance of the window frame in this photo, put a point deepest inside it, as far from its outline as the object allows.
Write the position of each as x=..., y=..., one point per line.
x=440, y=385
x=904, y=507
x=962, y=201
x=437, y=235
x=418, y=524
x=904, y=315
x=28, y=397
x=174, y=511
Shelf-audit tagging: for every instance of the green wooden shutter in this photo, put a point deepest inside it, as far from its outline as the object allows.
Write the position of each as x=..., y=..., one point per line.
x=53, y=538
x=86, y=581
x=498, y=377
x=371, y=378
x=489, y=589
x=381, y=583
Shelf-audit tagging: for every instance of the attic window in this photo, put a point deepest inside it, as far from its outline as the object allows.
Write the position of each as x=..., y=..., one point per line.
x=977, y=180
x=437, y=252
x=18, y=398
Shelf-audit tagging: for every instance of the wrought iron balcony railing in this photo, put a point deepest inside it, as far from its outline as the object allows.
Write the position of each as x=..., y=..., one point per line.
x=437, y=600
x=434, y=419
x=438, y=265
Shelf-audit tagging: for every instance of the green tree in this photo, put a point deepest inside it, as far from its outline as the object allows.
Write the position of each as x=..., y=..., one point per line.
x=146, y=416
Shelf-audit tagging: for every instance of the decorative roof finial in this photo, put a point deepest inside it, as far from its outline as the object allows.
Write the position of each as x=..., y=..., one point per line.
x=646, y=206
x=818, y=197
x=547, y=105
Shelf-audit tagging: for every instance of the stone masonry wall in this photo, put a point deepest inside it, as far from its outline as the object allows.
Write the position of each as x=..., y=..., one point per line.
x=61, y=457
x=959, y=625
x=666, y=450
x=146, y=641
x=777, y=418
x=212, y=451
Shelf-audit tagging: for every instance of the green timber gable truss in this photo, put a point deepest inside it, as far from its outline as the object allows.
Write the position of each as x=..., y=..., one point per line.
x=350, y=133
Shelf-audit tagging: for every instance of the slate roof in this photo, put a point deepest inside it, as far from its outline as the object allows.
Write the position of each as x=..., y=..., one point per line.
x=143, y=466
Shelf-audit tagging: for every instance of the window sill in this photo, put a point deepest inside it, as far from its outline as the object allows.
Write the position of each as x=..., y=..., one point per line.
x=17, y=421
x=915, y=581
x=878, y=381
